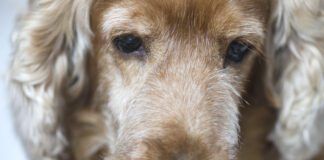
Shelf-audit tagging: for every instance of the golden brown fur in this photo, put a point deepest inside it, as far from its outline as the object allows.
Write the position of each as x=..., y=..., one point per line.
x=82, y=98
x=177, y=33
x=179, y=101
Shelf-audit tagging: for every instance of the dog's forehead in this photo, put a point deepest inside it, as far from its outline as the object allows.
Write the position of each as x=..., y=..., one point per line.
x=203, y=16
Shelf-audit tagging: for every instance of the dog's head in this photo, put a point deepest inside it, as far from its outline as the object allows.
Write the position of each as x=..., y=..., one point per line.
x=169, y=73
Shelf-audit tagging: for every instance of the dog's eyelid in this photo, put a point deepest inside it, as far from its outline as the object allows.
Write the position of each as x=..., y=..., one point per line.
x=118, y=31
x=241, y=39
x=252, y=46
x=115, y=34
x=236, y=51
x=129, y=45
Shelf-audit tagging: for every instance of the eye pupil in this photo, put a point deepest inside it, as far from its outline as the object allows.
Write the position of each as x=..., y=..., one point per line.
x=128, y=43
x=237, y=51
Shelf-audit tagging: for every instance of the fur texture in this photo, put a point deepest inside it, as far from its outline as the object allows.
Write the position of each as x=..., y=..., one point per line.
x=51, y=44
x=76, y=96
x=297, y=49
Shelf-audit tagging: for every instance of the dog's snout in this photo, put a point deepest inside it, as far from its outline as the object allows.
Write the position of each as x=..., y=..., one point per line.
x=173, y=144
x=171, y=117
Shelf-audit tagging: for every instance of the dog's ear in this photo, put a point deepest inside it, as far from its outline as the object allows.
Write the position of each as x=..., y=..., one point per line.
x=294, y=46
x=51, y=45
x=296, y=71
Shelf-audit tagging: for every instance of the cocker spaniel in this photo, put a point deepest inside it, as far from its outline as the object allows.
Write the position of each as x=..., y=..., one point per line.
x=164, y=79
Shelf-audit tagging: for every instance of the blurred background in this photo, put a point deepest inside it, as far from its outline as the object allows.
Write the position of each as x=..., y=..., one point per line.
x=10, y=147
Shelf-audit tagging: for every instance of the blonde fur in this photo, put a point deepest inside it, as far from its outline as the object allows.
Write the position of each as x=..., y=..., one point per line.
x=75, y=96
x=50, y=50
x=297, y=49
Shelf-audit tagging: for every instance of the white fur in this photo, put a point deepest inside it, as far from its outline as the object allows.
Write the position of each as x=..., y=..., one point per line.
x=40, y=69
x=299, y=60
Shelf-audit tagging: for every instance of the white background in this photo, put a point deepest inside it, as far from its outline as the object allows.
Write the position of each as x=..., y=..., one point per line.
x=10, y=147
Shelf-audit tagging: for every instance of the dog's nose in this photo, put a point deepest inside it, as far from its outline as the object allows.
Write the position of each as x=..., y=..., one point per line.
x=175, y=145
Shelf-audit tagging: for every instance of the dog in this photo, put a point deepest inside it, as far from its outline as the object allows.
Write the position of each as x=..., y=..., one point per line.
x=147, y=79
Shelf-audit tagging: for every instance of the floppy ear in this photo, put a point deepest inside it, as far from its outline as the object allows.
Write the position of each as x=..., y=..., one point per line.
x=51, y=44
x=296, y=74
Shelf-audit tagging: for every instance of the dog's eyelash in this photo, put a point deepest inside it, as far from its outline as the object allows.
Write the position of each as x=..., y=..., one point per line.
x=237, y=50
x=129, y=44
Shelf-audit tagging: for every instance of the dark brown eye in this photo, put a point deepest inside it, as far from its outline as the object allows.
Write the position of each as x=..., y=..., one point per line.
x=128, y=44
x=237, y=51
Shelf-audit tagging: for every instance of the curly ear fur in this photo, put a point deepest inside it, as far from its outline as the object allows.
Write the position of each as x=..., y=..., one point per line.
x=297, y=74
x=48, y=68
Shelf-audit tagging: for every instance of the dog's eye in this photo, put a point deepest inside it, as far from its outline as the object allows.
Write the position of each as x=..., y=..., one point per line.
x=237, y=51
x=128, y=43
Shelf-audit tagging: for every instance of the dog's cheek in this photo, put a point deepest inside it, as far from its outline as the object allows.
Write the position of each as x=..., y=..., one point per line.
x=125, y=83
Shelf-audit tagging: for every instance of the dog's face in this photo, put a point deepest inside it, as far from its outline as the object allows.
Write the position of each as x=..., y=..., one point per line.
x=171, y=74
